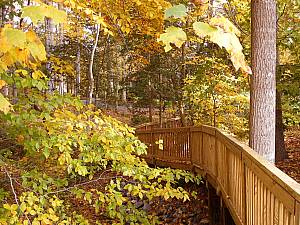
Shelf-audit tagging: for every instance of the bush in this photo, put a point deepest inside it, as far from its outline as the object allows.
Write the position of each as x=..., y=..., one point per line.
x=75, y=153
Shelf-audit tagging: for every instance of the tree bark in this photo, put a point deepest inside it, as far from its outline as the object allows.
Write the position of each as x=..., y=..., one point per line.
x=150, y=100
x=263, y=80
x=280, y=153
x=78, y=71
x=183, y=76
x=91, y=76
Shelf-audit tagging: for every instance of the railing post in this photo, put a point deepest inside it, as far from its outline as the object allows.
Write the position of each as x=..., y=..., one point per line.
x=244, y=190
x=216, y=155
x=190, y=146
x=152, y=147
x=297, y=213
x=214, y=206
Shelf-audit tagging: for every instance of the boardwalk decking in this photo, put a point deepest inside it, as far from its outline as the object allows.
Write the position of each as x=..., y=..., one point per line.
x=254, y=190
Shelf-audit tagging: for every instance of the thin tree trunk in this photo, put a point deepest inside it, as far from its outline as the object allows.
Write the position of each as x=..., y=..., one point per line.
x=78, y=71
x=91, y=76
x=2, y=16
x=215, y=111
x=116, y=81
x=150, y=100
x=110, y=77
x=61, y=26
x=160, y=99
x=48, y=45
x=263, y=80
x=183, y=75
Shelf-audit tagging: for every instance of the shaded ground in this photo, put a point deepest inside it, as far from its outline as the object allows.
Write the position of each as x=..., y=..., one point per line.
x=291, y=166
x=169, y=212
x=176, y=212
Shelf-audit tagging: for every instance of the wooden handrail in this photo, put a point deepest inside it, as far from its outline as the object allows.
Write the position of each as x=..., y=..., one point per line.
x=173, y=122
x=254, y=190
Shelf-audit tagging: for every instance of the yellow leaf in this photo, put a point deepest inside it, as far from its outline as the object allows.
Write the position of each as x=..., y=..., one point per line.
x=36, y=222
x=46, y=221
x=5, y=106
x=38, y=74
x=2, y=83
x=35, y=46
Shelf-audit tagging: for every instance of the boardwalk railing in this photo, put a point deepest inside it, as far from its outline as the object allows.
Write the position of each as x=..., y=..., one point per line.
x=170, y=123
x=254, y=190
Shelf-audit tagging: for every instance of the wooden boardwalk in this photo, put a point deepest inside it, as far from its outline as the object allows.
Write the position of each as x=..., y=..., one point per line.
x=253, y=190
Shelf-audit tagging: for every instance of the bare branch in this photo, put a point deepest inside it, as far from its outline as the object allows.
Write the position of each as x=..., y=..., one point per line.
x=14, y=192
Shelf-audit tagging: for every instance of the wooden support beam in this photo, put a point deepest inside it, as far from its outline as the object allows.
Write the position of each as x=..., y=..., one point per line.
x=214, y=206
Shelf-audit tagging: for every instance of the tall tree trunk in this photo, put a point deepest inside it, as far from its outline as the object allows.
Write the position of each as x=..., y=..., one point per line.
x=2, y=16
x=110, y=77
x=150, y=100
x=91, y=76
x=48, y=44
x=78, y=71
x=160, y=97
x=280, y=153
x=183, y=75
x=263, y=80
x=116, y=78
x=61, y=26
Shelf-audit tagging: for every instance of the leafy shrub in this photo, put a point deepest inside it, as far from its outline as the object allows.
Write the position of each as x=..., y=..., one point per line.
x=68, y=149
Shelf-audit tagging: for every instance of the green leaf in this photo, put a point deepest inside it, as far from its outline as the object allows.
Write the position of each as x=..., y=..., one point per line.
x=46, y=153
x=173, y=35
x=5, y=106
x=177, y=11
x=204, y=29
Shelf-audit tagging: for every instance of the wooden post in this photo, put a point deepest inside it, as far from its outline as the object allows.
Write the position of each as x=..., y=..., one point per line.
x=244, y=194
x=152, y=147
x=297, y=212
x=214, y=206
x=226, y=218
x=190, y=146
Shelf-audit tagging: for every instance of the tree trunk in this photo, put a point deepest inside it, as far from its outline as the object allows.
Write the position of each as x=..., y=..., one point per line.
x=2, y=16
x=48, y=44
x=281, y=153
x=150, y=100
x=78, y=71
x=160, y=99
x=183, y=76
x=91, y=76
x=263, y=80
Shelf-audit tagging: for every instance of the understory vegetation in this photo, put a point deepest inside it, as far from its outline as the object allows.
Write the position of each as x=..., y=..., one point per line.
x=59, y=147
x=65, y=63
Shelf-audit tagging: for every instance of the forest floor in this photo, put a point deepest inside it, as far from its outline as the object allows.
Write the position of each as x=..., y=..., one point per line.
x=291, y=165
x=168, y=212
